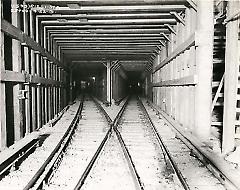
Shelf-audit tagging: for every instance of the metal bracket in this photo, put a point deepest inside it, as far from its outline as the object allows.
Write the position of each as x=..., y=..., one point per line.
x=104, y=64
x=162, y=43
x=24, y=44
x=178, y=17
x=114, y=63
x=166, y=37
x=170, y=28
x=22, y=94
x=192, y=4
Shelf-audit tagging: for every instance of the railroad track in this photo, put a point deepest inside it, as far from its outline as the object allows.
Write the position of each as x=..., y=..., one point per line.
x=148, y=165
x=193, y=165
x=28, y=174
x=125, y=153
x=152, y=160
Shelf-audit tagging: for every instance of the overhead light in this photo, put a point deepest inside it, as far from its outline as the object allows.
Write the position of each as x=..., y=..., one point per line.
x=82, y=15
x=74, y=6
x=62, y=20
x=83, y=20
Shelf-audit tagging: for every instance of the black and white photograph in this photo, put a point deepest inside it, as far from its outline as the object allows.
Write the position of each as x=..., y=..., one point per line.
x=120, y=95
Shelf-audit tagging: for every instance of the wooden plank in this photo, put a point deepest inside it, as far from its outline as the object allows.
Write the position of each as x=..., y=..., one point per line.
x=18, y=77
x=231, y=79
x=217, y=123
x=28, y=89
x=13, y=76
x=3, y=127
x=184, y=81
x=46, y=90
x=27, y=67
x=17, y=34
x=181, y=48
x=17, y=67
x=217, y=95
x=33, y=71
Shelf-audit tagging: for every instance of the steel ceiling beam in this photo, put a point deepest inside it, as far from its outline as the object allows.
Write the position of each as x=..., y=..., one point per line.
x=72, y=51
x=112, y=29
x=109, y=2
x=126, y=26
x=107, y=31
x=122, y=9
x=106, y=16
x=108, y=46
x=111, y=21
x=111, y=38
x=109, y=35
x=83, y=42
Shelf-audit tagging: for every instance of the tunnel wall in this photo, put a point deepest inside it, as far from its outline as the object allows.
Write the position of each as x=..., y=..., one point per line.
x=33, y=88
x=100, y=86
x=119, y=88
x=180, y=62
x=147, y=88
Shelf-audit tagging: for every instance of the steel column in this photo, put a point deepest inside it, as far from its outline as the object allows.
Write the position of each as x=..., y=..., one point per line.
x=204, y=68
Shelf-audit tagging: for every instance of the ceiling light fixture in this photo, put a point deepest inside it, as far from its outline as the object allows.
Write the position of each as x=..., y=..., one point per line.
x=74, y=6
x=62, y=20
x=83, y=20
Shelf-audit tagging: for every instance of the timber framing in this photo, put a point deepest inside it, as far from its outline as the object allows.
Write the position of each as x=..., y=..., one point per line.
x=17, y=34
x=12, y=76
x=184, y=46
x=184, y=81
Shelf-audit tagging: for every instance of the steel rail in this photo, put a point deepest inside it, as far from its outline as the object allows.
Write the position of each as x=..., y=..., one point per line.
x=45, y=170
x=127, y=155
x=198, y=153
x=100, y=148
x=113, y=127
x=164, y=148
x=17, y=157
x=131, y=165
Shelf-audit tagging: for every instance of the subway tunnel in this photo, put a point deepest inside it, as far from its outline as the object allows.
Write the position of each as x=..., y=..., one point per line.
x=173, y=62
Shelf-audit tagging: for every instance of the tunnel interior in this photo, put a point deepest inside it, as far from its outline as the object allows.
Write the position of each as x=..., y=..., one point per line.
x=60, y=49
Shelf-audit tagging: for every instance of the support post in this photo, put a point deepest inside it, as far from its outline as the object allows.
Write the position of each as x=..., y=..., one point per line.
x=71, y=86
x=16, y=62
x=109, y=78
x=204, y=64
x=3, y=129
x=33, y=71
x=231, y=78
x=39, y=99
x=27, y=101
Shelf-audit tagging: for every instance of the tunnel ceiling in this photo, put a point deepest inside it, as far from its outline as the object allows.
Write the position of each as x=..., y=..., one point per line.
x=90, y=32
